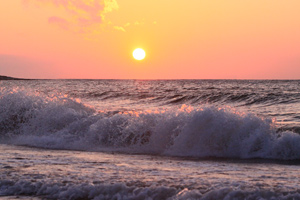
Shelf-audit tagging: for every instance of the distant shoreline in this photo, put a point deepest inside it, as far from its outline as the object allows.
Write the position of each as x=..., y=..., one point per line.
x=12, y=78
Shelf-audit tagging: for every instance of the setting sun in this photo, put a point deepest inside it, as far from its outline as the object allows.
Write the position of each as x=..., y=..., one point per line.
x=135, y=99
x=139, y=54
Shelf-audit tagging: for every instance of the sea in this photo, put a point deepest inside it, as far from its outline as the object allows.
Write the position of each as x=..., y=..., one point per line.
x=150, y=139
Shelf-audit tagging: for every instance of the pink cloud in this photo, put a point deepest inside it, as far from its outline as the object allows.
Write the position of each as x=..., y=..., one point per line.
x=93, y=10
x=83, y=13
x=62, y=23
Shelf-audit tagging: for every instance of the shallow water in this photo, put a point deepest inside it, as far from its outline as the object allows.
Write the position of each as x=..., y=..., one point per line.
x=72, y=174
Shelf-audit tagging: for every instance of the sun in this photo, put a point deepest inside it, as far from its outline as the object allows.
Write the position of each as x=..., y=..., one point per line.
x=139, y=54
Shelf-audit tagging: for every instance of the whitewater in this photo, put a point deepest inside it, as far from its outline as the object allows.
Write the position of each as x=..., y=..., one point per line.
x=149, y=139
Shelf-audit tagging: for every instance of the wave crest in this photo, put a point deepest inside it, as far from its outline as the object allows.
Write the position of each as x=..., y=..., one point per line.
x=207, y=131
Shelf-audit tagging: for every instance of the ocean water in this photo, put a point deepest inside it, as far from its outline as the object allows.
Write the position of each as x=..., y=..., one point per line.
x=150, y=139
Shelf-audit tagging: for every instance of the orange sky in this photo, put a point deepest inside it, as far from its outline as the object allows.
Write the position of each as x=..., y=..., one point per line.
x=197, y=39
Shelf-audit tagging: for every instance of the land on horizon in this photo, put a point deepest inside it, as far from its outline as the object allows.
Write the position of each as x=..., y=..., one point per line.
x=11, y=78
x=15, y=78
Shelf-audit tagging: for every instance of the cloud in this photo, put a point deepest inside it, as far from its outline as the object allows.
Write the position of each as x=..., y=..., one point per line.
x=127, y=24
x=119, y=28
x=82, y=13
x=62, y=23
x=139, y=23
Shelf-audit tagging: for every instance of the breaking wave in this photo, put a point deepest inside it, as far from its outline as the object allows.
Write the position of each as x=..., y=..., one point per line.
x=59, y=122
x=122, y=191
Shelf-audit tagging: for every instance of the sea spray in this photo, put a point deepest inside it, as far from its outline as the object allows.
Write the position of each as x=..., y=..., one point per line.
x=200, y=131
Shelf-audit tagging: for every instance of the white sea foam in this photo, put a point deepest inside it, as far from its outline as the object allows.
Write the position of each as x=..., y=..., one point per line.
x=204, y=131
x=122, y=191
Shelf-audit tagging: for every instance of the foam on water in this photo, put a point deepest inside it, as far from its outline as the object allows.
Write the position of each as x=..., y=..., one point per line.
x=121, y=191
x=204, y=131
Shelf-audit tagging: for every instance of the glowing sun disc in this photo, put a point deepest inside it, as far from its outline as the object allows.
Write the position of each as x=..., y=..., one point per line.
x=139, y=54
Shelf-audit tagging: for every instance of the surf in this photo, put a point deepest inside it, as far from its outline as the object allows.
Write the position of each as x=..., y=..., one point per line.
x=60, y=122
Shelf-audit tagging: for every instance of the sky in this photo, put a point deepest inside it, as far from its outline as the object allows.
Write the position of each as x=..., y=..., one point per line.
x=196, y=39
